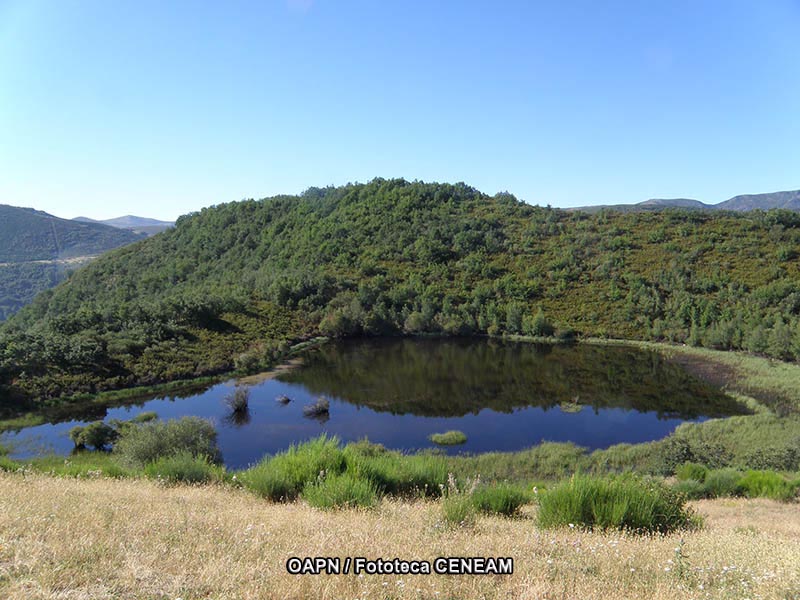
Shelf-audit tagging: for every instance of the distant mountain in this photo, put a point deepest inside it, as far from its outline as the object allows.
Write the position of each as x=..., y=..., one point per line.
x=37, y=250
x=787, y=200
x=132, y=222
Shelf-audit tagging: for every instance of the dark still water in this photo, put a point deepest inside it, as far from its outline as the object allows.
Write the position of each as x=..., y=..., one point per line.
x=502, y=395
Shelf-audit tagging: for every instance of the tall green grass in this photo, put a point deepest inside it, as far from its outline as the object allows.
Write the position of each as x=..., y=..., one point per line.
x=500, y=499
x=341, y=491
x=397, y=474
x=766, y=484
x=283, y=476
x=722, y=482
x=184, y=467
x=623, y=502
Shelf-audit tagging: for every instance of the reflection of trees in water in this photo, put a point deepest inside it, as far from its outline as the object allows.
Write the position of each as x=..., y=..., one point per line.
x=238, y=418
x=453, y=377
x=93, y=411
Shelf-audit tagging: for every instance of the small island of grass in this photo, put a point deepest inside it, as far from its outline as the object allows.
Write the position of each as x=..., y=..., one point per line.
x=448, y=438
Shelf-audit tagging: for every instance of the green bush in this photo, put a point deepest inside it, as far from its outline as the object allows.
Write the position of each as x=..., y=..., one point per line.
x=394, y=473
x=690, y=488
x=500, y=499
x=622, y=502
x=184, y=467
x=341, y=491
x=96, y=435
x=142, y=444
x=766, y=484
x=283, y=476
x=690, y=470
x=448, y=438
x=722, y=482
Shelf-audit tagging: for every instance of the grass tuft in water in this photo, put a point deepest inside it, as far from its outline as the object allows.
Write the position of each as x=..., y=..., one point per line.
x=448, y=438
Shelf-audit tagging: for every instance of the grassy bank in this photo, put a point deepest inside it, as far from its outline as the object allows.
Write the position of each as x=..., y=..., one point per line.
x=763, y=383
x=98, y=538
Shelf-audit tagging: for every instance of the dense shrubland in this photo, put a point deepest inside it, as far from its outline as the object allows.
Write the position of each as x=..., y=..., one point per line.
x=230, y=286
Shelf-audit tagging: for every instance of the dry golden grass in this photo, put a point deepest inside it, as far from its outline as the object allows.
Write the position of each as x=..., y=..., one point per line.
x=100, y=538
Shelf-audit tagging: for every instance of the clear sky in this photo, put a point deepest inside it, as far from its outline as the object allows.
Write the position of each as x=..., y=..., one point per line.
x=157, y=108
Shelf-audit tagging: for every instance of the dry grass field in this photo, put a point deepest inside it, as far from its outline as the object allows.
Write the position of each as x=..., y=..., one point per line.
x=100, y=538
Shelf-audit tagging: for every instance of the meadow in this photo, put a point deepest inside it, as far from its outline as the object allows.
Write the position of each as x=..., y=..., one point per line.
x=118, y=538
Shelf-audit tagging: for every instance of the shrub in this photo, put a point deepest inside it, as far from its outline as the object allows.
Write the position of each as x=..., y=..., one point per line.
x=500, y=499
x=142, y=444
x=448, y=438
x=722, y=482
x=766, y=484
x=341, y=491
x=622, y=502
x=96, y=435
x=690, y=470
x=690, y=488
x=393, y=473
x=239, y=400
x=184, y=467
x=283, y=476
x=319, y=408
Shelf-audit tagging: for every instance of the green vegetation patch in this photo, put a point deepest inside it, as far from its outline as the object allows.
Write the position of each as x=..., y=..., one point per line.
x=144, y=443
x=284, y=476
x=623, y=502
x=448, y=438
x=184, y=467
x=341, y=491
x=500, y=499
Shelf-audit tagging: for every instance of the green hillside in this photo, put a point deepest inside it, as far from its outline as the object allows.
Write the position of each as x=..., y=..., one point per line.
x=38, y=250
x=229, y=285
x=27, y=235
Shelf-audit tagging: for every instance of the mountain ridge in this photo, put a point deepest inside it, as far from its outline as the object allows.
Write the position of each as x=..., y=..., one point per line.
x=788, y=200
x=134, y=223
x=38, y=250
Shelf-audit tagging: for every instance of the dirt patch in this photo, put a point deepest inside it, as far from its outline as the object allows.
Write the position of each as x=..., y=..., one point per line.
x=271, y=374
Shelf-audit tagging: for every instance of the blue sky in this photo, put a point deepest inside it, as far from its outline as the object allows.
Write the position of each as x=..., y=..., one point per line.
x=160, y=108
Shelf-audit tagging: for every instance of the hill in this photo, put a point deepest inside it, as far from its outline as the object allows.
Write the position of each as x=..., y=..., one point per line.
x=783, y=200
x=229, y=286
x=37, y=250
x=27, y=235
x=134, y=223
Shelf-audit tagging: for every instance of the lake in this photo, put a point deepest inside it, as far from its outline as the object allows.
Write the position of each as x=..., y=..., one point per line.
x=503, y=395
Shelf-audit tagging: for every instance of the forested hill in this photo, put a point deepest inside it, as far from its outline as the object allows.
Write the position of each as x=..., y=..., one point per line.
x=37, y=251
x=229, y=285
x=27, y=235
